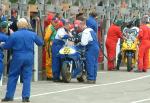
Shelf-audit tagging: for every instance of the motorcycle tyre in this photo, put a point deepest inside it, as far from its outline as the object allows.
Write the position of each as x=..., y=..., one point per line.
x=82, y=78
x=129, y=63
x=65, y=72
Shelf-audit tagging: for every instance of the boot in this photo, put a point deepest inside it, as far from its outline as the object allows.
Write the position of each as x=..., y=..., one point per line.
x=25, y=99
x=6, y=100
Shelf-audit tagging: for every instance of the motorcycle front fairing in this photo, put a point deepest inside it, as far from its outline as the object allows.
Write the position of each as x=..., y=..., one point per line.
x=69, y=52
x=129, y=46
x=71, y=55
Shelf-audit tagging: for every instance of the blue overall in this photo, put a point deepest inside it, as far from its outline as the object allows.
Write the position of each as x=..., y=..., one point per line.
x=92, y=22
x=22, y=44
x=92, y=57
x=3, y=38
x=56, y=61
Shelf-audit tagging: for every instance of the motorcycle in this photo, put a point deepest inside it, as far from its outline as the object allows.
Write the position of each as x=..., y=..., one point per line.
x=129, y=47
x=73, y=62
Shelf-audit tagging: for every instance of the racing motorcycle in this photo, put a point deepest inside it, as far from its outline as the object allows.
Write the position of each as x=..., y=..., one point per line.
x=129, y=47
x=72, y=62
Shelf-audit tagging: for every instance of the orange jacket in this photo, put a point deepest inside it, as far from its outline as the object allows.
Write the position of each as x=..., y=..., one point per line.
x=144, y=33
x=114, y=33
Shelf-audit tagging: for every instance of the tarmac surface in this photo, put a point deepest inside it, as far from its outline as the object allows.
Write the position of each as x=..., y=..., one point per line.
x=111, y=87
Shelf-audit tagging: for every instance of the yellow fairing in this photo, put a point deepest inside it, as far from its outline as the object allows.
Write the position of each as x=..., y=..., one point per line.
x=129, y=46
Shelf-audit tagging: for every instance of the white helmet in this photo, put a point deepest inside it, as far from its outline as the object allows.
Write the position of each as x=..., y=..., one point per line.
x=145, y=19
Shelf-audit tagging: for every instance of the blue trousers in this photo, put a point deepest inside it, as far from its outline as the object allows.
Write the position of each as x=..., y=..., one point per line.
x=92, y=62
x=21, y=63
x=56, y=61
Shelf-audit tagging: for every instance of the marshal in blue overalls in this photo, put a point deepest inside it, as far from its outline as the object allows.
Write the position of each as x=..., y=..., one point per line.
x=22, y=44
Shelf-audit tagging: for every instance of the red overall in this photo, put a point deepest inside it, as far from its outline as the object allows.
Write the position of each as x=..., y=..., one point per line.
x=114, y=33
x=144, y=38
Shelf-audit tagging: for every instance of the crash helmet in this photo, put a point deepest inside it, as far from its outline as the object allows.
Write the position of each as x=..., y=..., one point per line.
x=128, y=23
x=145, y=19
x=59, y=24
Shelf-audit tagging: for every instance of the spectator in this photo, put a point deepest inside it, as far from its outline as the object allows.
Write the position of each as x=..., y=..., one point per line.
x=3, y=38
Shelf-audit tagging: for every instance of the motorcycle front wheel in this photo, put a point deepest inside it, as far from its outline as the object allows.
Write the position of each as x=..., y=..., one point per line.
x=129, y=63
x=65, y=72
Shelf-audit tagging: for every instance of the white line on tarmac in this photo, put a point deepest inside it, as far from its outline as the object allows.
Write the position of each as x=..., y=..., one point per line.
x=86, y=87
x=140, y=101
x=102, y=72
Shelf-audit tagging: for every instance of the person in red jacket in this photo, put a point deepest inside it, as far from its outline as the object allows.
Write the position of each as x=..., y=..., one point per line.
x=144, y=39
x=114, y=33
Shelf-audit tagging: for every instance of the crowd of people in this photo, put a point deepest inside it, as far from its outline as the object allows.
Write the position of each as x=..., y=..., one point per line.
x=115, y=33
x=21, y=41
x=58, y=29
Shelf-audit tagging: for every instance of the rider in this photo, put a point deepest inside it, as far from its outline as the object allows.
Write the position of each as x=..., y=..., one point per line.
x=128, y=24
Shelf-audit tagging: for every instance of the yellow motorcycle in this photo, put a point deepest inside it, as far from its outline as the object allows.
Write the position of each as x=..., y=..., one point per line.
x=129, y=47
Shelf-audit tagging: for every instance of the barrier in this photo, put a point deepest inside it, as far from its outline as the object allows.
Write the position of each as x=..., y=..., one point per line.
x=35, y=70
x=1, y=81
